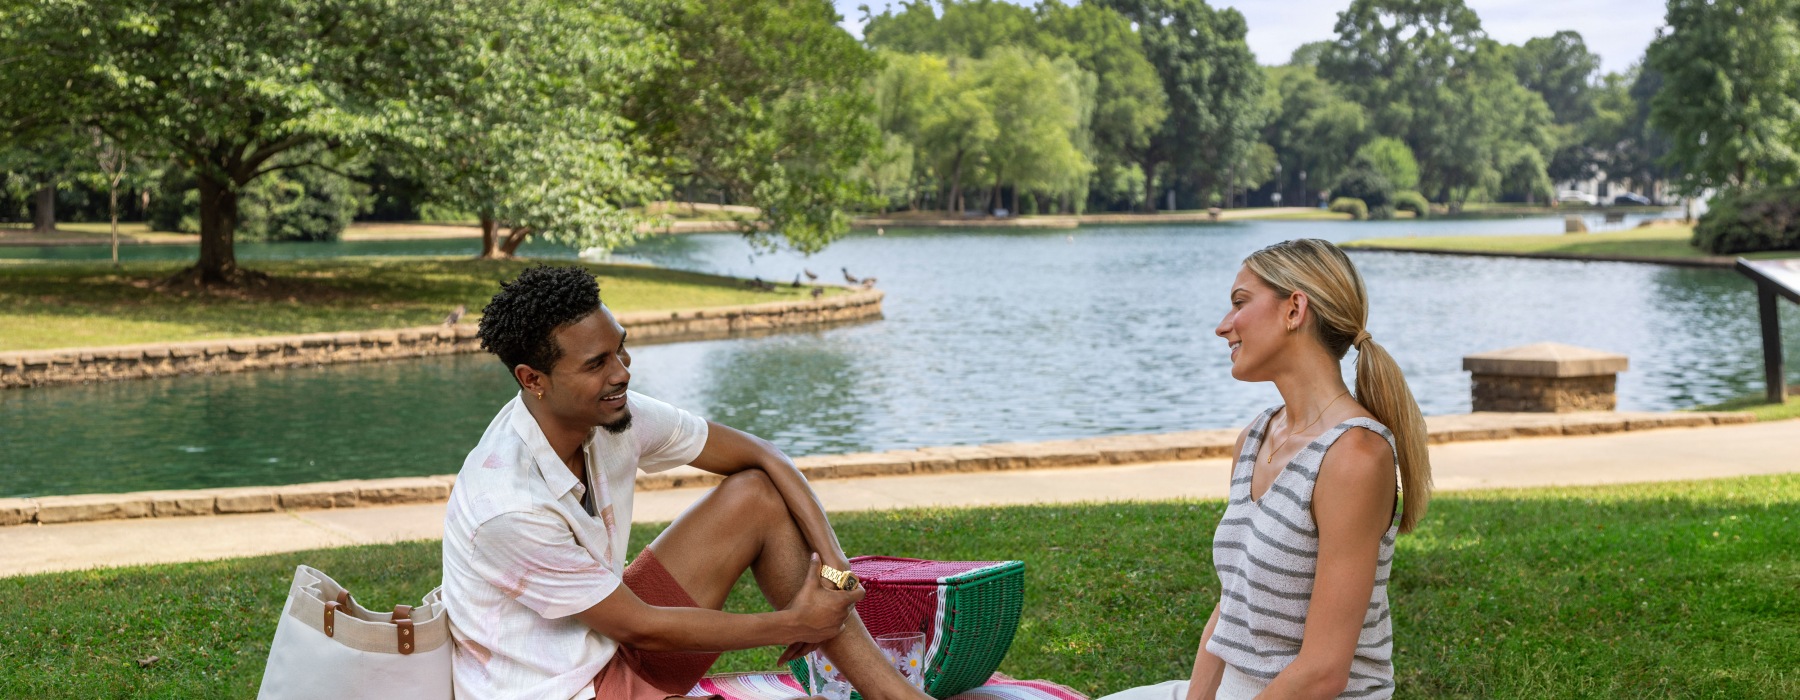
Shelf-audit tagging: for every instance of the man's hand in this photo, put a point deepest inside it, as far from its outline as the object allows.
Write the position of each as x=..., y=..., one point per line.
x=819, y=609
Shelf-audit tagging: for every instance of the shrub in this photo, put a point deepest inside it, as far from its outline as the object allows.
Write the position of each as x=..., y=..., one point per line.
x=1390, y=157
x=1748, y=221
x=1413, y=202
x=1356, y=208
x=1381, y=213
x=302, y=204
x=1365, y=183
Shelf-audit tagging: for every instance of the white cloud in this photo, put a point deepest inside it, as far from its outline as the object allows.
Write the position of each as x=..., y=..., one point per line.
x=1618, y=30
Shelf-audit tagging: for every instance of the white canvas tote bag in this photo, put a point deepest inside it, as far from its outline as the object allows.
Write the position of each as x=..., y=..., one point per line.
x=327, y=646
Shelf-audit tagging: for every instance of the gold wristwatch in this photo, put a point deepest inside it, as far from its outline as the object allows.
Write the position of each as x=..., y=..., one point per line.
x=844, y=580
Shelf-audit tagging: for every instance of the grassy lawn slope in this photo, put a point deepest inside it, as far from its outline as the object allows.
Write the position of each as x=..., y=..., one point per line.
x=59, y=305
x=1757, y=405
x=1675, y=590
x=1649, y=242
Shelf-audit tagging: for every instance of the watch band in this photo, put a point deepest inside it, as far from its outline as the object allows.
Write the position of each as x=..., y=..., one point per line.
x=844, y=580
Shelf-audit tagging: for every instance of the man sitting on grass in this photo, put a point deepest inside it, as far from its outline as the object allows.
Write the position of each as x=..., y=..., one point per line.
x=541, y=602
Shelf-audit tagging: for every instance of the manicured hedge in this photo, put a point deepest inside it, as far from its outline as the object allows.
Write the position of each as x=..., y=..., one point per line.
x=1352, y=206
x=1749, y=221
x=1413, y=202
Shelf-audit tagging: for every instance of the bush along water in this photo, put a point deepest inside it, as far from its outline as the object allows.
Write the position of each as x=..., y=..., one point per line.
x=1413, y=202
x=1362, y=181
x=1751, y=220
x=1356, y=208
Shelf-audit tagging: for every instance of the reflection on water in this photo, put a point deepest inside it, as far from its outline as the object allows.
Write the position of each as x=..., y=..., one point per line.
x=988, y=337
x=283, y=426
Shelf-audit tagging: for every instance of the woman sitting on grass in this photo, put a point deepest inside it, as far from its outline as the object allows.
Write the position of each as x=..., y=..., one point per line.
x=1304, y=548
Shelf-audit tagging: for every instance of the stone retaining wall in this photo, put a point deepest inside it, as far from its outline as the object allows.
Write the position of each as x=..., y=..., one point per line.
x=79, y=365
x=1117, y=450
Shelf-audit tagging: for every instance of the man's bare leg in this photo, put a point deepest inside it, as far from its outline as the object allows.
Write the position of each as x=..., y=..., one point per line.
x=743, y=524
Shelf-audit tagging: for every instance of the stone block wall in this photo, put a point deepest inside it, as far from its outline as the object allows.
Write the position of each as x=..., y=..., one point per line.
x=1544, y=394
x=81, y=365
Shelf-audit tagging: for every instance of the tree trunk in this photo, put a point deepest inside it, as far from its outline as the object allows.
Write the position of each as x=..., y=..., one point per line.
x=995, y=198
x=956, y=184
x=1149, y=168
x=513, y=238
x=1231, y=189
x=218, y=223
x=113, y=205
x=44, y=217
x=490, y=238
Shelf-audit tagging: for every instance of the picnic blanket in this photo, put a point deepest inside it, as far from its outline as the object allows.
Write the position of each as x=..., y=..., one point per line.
x=773, y=685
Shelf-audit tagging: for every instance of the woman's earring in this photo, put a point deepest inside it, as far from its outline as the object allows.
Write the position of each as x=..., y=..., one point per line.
x=540, y=396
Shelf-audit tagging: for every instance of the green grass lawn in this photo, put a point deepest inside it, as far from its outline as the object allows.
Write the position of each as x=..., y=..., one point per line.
x=1675, y=590
x=1757, y=405
x=1309, y=215
x=1654, y=242
x=53, y=305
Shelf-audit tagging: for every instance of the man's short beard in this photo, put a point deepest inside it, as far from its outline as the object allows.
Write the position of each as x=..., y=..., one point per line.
x=618, y=426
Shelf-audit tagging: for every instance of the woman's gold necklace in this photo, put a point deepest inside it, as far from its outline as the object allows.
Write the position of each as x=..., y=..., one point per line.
x=1315, y=421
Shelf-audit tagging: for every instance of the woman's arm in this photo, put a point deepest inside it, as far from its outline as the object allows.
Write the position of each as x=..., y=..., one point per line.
x=1352, y=504
x=1208, y=669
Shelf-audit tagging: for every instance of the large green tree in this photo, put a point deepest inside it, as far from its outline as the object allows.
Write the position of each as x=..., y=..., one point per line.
x=1429, y=76
x=960, y=28
x=1129, y=104
x=1730, y=98
x=45, y=158
x=232, y=90
x=1313, y=129
x=1214, y=91
x=959, y=129
x=767, y=104
x=1636, y=150
x=1040, y=109
x=1561, y=70
x=528, y=134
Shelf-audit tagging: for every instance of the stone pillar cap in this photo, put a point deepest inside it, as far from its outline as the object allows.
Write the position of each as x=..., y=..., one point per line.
x=1545, y=360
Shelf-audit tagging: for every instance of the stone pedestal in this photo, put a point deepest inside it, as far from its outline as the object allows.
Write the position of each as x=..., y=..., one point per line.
x=1545, y=378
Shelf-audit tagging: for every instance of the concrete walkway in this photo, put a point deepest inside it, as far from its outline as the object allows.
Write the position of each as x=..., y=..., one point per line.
x=1655, y=455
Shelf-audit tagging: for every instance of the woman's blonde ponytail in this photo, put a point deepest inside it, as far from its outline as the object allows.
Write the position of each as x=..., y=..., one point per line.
x=1382, y=390
x=1339, y=318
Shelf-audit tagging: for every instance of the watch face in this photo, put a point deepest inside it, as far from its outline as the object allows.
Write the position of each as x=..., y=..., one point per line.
x=850, y=582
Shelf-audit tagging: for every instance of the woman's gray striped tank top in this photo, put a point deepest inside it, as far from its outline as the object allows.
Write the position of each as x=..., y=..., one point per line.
x=1266, y=553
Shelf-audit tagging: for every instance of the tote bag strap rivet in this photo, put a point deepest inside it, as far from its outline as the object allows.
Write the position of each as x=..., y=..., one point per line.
x=406, y=635
x=330, y=618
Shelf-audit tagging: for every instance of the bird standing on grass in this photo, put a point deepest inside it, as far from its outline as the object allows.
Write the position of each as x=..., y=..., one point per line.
x=456, y=314
x=810, y=275
x=849, y=277
x=796, y=281
x=818, y=292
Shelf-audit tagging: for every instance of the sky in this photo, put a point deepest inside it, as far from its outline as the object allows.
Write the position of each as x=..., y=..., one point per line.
x=1617, y=30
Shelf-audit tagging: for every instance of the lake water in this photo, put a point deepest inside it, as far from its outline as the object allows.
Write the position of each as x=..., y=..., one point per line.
x=988, y=336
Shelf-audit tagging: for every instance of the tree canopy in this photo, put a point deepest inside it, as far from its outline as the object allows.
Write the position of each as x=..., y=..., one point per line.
x=1730, y=93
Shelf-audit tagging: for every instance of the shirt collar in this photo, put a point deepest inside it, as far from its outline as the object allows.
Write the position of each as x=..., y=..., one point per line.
x=556, y=474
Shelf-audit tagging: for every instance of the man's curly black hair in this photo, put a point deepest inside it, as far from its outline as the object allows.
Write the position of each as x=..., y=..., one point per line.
x=518, y=322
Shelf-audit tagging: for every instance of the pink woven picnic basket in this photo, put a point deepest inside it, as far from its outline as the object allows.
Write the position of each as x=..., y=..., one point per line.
x=968, y=611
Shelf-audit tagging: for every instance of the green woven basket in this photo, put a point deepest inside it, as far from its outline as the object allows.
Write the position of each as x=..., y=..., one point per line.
x=968, y=611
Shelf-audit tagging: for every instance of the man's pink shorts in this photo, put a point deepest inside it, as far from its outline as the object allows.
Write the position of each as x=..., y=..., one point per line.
x=634, y=674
